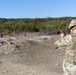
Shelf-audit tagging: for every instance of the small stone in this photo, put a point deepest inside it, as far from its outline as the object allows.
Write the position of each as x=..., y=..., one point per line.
x=0, y=61
x=57, y=64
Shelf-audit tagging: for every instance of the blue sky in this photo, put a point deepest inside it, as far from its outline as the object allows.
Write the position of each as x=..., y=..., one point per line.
x=37, y=8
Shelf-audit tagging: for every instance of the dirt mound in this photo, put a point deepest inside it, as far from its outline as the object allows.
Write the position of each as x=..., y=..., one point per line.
x=31, y=56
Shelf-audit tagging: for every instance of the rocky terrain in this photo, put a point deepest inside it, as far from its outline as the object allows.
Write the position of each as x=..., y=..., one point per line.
x=34, y=54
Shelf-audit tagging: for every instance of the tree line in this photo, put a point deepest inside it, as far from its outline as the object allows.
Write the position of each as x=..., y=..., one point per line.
x=9, y=26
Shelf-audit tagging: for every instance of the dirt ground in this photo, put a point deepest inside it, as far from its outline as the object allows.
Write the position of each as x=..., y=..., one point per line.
x=35, y=55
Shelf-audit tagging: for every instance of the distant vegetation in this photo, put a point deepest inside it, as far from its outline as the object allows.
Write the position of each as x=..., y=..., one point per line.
x=9, y=26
